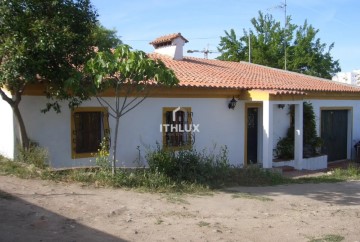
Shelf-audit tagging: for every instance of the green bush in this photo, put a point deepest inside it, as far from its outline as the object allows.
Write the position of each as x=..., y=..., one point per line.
x=190, y=165
x=35, y=155
x=311, y=142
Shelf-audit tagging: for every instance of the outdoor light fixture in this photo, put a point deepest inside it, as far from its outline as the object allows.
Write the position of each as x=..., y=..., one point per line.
x=281, y=106
x=232, y=103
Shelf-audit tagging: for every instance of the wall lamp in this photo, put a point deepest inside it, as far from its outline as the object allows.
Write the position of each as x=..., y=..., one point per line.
x=232, y=103
x=281, y=106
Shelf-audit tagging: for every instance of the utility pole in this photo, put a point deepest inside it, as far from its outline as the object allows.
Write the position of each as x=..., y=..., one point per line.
x=285, y=39
x=249, y=46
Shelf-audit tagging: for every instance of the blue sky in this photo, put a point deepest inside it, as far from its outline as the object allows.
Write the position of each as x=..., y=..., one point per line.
x=202, y=22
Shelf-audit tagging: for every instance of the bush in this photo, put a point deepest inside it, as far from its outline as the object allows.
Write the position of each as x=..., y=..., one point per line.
x=35, y=155
x=190, y=165
x=311, y=142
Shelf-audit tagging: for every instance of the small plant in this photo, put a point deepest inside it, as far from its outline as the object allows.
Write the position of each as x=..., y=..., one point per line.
x=329, y=238
x=35, y=155
x=203, y=224
x=102, y=157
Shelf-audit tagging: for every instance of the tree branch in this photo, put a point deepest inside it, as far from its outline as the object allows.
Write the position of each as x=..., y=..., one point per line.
x=145, y=96
x=6, y=98
x=100, y=100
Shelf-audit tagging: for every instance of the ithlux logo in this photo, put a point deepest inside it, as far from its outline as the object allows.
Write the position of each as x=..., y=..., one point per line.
x=178, y=123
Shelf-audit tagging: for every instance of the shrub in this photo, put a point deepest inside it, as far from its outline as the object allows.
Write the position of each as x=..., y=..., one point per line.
x=190, y=165
x=35, y=155
x=311, y=141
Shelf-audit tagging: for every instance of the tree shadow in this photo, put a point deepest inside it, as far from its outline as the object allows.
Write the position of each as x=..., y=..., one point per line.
x=341, y=193
x=24, y=221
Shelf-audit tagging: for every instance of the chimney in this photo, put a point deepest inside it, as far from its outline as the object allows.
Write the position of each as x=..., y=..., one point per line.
x=170, y=45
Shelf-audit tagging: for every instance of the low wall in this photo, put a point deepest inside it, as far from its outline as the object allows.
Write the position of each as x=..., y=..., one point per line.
x=312, y=163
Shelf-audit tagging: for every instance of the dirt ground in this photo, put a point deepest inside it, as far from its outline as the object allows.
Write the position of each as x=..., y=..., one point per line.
x=34, y=210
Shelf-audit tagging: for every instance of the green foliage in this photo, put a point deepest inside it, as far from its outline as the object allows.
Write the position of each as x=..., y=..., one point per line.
x=285, y=148
x=305, y=52
x=102, y=157
x=230, y=47
x=328, y=238
x=311, y=141
x=105, y=38
x=122, y=66
x=155, y=181
x=48, y=42
x=351, y=172
x=129, y=73
x=191, y=166
x=35, y=155
x=44, y=40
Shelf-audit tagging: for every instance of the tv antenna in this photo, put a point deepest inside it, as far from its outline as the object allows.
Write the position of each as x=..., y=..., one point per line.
x=205, y=51
x=283, y=5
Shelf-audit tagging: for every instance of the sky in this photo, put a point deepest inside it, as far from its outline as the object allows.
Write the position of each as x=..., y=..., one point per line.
x=202, y=22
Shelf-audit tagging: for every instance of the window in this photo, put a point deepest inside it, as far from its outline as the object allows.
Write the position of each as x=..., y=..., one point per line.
x=177, y=127
x=89, y=126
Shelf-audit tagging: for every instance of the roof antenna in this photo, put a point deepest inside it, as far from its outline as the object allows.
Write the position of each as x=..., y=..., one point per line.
x=283, y=5
x=205, y=51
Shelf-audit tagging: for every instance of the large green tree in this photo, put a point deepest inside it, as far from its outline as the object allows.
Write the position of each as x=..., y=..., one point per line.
x=46, y=42
x=305, y=53
x=130, y=74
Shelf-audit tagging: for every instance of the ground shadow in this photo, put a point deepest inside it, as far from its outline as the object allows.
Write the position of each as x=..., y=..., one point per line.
x=24, y=221
x=341, y=193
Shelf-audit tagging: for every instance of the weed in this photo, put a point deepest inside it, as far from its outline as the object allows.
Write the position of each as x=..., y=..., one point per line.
x=36, y=155
x=203, y=224
x=329, y=238
x=176, y=198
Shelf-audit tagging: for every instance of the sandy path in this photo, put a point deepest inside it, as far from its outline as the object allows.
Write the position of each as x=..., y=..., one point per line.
x=34, y=210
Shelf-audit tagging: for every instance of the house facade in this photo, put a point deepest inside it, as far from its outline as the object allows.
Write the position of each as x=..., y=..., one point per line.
x=239, y=105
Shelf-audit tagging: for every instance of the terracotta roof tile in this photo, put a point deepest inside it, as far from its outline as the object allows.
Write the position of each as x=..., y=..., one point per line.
x=167, y=38
x=197, y=72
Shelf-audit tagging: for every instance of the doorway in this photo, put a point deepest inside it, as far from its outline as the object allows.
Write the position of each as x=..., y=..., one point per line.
x=252, y=135
x=334, y=132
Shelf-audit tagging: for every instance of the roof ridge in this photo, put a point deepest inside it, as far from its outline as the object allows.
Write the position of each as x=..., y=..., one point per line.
x=168, y=37
x=200, y=72
x=300, y=74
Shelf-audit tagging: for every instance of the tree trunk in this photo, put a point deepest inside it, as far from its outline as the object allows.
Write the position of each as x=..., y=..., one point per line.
x=115, y=145
x=24, y=139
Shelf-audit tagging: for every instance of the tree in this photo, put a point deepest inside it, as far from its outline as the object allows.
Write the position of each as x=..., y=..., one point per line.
x=105, y=38
x=231, y=48
x=310, y=55
x=130, y=74
x=304, y=51
x=47, y=42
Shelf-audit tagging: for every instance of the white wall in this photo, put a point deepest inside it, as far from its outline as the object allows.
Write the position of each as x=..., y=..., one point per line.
x=6, y=130
x=354, y=118
x=281, y=123
x=140, y=127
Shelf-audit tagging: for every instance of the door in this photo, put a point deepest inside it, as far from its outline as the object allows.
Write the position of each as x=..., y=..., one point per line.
x=334, y=130
x=252, y=135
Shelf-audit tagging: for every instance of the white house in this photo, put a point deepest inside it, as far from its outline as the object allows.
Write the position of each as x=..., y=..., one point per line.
x=204, y=101
x=352, y=77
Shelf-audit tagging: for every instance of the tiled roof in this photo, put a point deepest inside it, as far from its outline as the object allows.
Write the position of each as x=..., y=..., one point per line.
x=167, y=38
x=197, y=72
